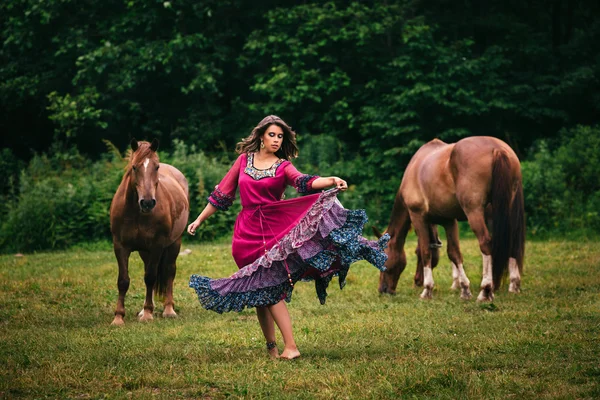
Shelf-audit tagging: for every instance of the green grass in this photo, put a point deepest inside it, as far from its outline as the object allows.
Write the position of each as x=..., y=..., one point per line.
x=56, y=340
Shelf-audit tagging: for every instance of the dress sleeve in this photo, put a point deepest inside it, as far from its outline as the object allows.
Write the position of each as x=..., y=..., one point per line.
x=302, y=182
x=224, y=194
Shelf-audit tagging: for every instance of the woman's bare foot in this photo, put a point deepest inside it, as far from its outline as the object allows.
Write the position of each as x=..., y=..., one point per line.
x=290, y=354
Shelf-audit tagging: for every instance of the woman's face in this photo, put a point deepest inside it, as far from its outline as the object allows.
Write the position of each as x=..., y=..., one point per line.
x=273, y=138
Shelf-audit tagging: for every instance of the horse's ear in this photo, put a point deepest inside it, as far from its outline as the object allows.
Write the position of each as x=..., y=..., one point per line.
x=134, y=144
x=154, y=145
x=376, y=231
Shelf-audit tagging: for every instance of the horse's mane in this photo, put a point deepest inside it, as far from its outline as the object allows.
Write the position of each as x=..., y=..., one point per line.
x=143, y=151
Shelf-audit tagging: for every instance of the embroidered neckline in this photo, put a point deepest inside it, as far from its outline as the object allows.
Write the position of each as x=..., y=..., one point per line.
x=258, y=174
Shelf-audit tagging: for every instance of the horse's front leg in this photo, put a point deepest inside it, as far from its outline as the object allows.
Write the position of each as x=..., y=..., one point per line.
x=151, y=262
x=418, y=280
x=424, y=241
x=435, y=244
x=169, y=265
x=122, y=255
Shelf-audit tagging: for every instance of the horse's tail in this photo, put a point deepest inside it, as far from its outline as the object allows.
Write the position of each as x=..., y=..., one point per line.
x=162, y=278
x=501, y=212
x=517, y=227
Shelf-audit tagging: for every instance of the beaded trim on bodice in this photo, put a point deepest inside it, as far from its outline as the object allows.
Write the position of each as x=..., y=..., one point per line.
x=258, y=174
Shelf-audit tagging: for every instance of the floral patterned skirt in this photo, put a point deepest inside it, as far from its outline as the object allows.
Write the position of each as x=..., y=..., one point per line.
x=320, y=245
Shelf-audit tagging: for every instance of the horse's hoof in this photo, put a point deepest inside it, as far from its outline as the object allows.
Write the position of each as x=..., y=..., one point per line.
x=485, y=296
x=455, y=285
x=118, y=321
x=169, y=311
x=514, y=288
x=426, y=295
x=145, y=316
x=466, y=295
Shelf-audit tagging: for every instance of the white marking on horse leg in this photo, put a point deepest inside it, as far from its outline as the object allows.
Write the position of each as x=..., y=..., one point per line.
x=487, y=284
x=515, y=276
x=146, y=162
x=463, y=281
x=455, y=284
x=169, y=312
x=146, y=315
x=427, y=282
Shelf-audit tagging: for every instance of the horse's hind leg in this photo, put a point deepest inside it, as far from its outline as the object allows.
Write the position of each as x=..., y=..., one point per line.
x=151, y=262
x=170, y=268
x=515, y=276
x=122, y=255
x=477, y=223
x=459, y=278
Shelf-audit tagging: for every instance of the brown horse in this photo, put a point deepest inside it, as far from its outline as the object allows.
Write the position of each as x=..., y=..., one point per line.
x=475, y=179
x=148, y=214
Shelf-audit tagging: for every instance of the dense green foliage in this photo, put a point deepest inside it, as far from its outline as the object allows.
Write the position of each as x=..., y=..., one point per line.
x=64, y=199
x=562, y=186
x=363, y=83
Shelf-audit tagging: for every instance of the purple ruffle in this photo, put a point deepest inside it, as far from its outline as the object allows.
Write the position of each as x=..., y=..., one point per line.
x=325, y=242
x=304, y=241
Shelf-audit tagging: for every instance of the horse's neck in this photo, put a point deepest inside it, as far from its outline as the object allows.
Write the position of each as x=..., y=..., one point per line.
x=131, y=198
x=399, y=222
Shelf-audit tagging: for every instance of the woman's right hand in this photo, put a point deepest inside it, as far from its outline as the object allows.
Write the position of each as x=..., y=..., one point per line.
x=193, y=226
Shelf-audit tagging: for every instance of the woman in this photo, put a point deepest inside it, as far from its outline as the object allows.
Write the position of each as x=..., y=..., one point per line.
x=278, y=242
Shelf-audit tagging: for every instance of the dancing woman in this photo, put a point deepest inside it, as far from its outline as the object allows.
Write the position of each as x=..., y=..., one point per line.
x=279, y=242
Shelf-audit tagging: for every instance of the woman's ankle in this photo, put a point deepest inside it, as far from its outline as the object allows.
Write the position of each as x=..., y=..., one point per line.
x=272, y=349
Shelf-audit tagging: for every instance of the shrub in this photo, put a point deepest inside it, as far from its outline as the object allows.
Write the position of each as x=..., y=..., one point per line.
x=561, y=185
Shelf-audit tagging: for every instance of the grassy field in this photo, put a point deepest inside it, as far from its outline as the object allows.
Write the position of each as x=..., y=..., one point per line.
x=56, y=340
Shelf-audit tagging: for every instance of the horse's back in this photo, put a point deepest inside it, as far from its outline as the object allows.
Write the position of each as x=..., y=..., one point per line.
x=481, y=145
x=472, y=159
x=426, y=186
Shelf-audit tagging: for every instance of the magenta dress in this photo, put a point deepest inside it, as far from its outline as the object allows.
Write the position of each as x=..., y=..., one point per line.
x=279, y=242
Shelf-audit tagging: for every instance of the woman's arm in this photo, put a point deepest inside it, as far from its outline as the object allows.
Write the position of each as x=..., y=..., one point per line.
x=221, y=198
x=207, y=212
x=322, y=183
x=307, y=183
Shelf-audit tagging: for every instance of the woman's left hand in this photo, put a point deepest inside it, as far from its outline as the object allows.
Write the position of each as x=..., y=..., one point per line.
x=340, y=183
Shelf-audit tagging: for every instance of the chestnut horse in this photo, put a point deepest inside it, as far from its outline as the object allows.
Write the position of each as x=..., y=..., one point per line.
x=476, y=179
x=148, y=214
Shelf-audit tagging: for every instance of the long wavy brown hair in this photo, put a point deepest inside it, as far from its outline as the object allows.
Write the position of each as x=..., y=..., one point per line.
x=251, y=144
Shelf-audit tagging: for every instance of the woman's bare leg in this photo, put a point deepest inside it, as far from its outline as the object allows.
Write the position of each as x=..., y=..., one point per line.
x=281, y=316
x=268, y=328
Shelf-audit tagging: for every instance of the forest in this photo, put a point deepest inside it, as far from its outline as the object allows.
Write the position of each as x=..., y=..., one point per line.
x=364, y=85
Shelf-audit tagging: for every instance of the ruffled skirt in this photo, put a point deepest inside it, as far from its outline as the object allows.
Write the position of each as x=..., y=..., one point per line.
x=323, y=244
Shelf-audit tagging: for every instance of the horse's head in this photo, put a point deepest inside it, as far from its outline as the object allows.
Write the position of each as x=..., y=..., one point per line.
x=143, y=165
x=394, y=265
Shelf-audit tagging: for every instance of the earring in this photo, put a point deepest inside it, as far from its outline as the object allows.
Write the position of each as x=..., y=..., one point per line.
x=262, y=144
